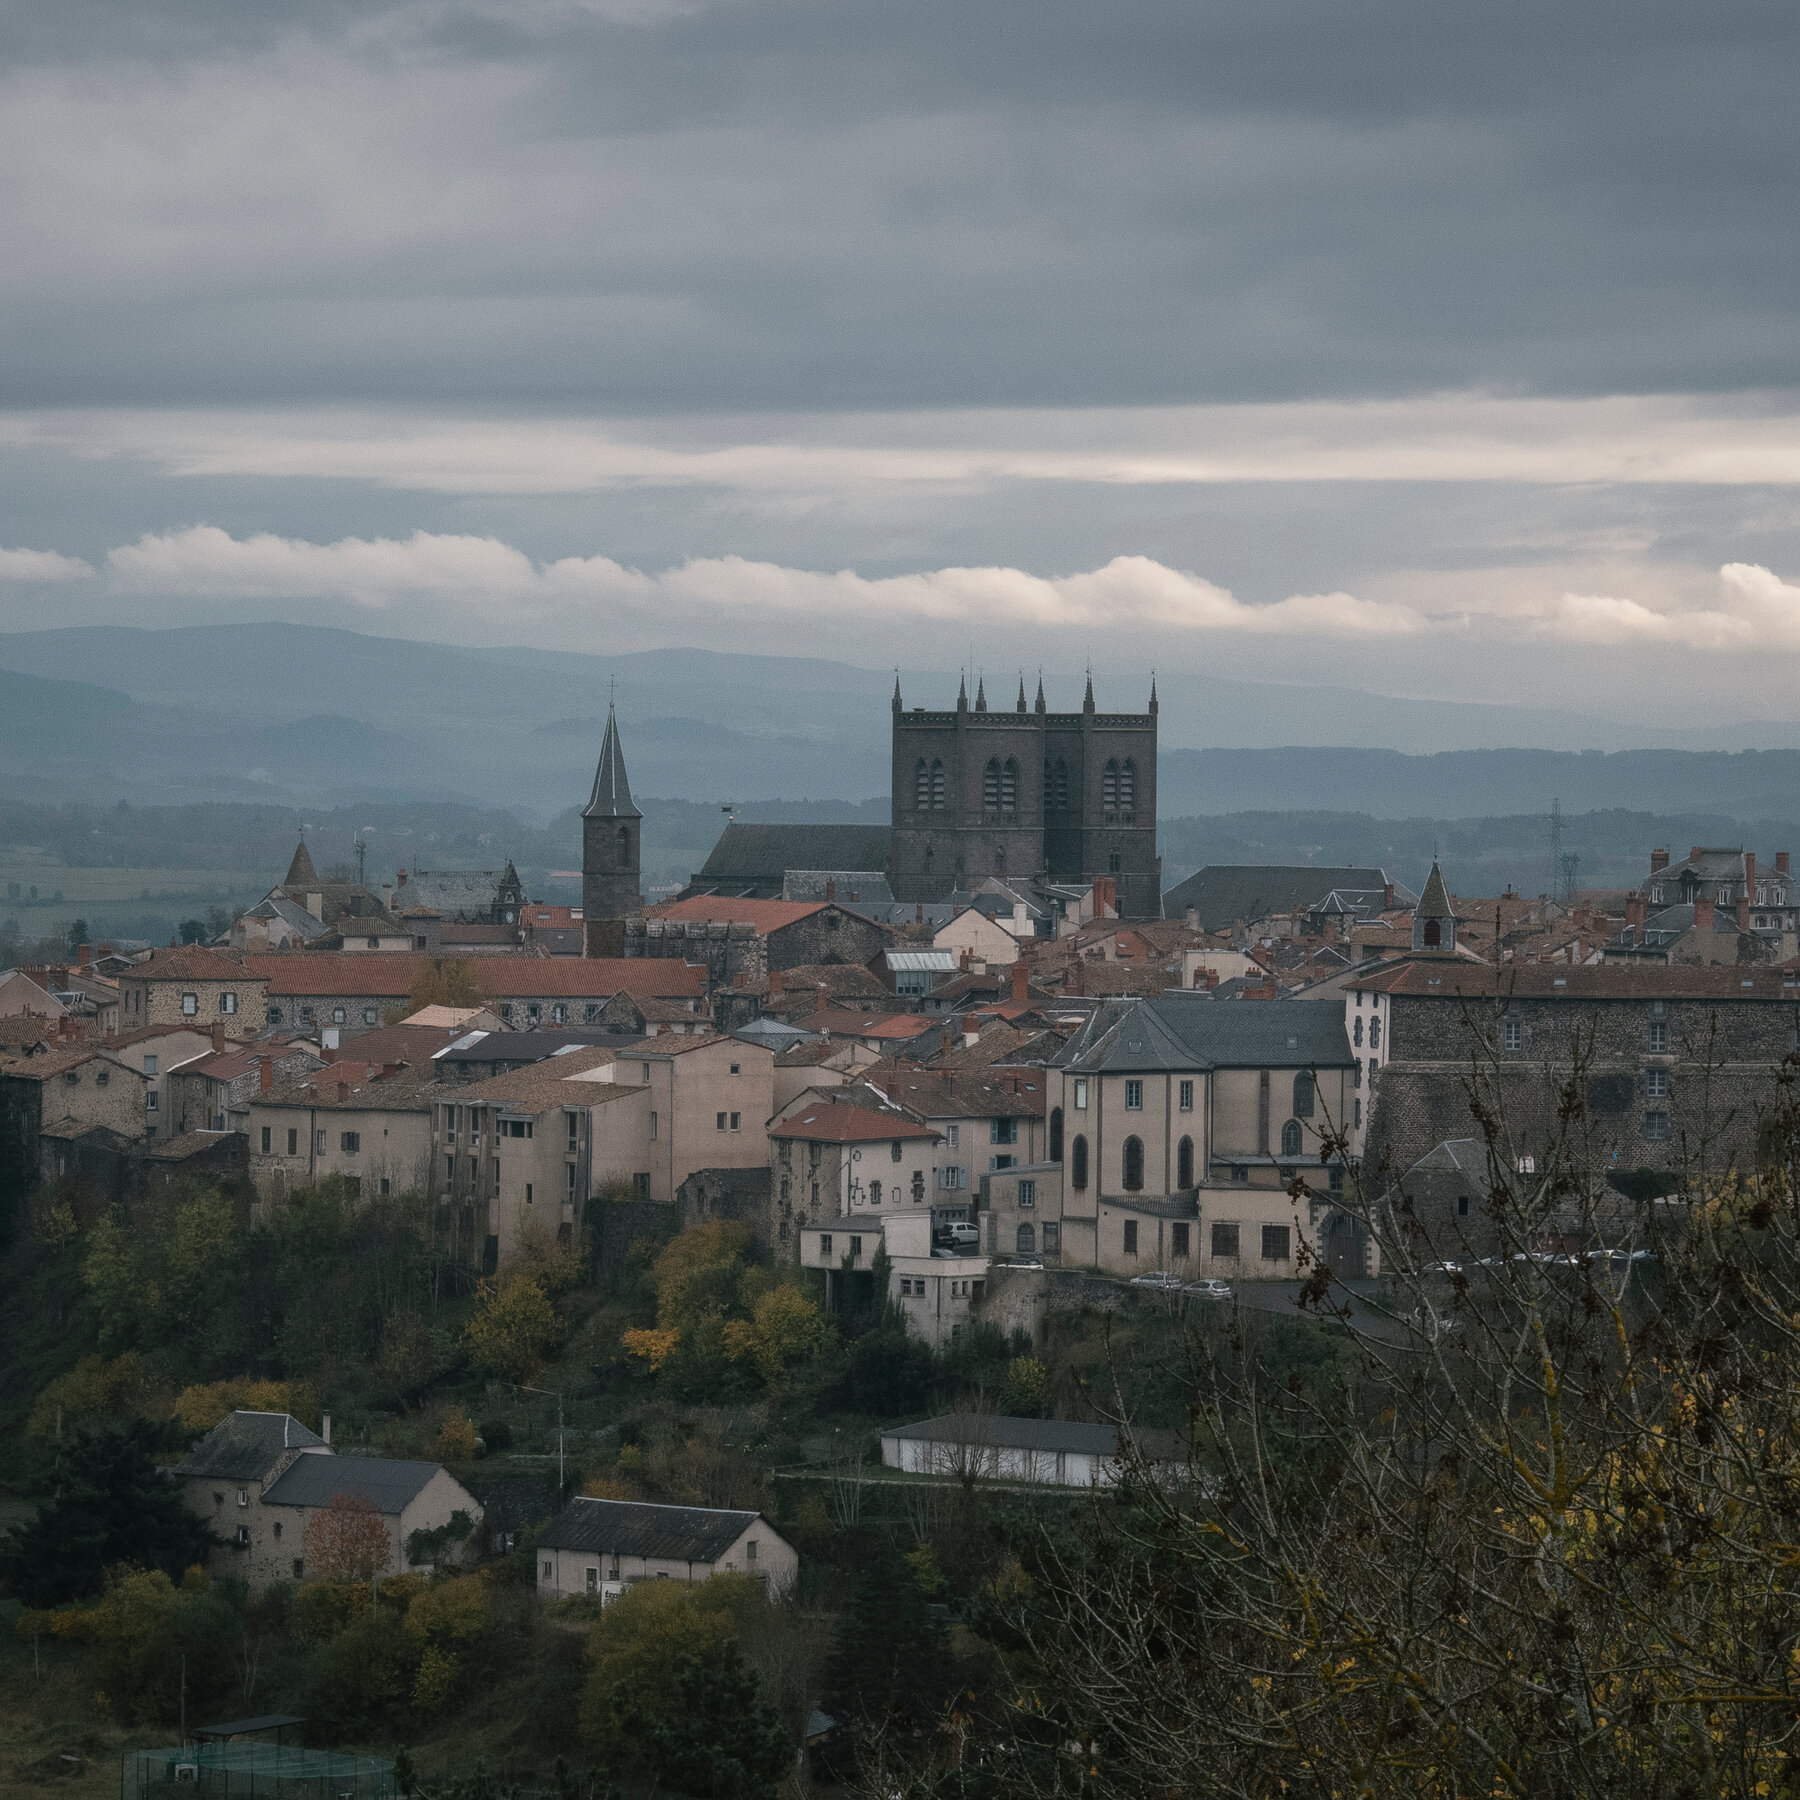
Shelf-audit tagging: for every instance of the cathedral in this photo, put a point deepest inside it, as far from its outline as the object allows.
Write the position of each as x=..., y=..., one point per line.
x=1024, y=795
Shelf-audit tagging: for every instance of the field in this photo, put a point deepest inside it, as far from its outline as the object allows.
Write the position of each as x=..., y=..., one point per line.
x=40, y=894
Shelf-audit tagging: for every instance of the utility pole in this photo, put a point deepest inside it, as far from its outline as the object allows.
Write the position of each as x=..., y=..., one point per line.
x=1556, y=834
x=561, y=1439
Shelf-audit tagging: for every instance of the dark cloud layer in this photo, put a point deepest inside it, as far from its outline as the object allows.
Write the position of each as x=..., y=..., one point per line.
x=806, y=206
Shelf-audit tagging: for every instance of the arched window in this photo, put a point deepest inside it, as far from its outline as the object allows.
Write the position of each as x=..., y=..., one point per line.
x=1374, y=1034
x=1184, y=1163
x=1290, y=1138
x=1056, y=1134
x=1027, y=1241
x=937, y=786
x=874, y=1193
x=1433, y=934
x=1109, y=787
x=624, y=845
x=1009, y=786
x=1134, y=1164
x=990, y=785
x=1303, y=1095
x=1356, y=1032
x=922, y=785
x=1128, y=786
x=1078, y=1164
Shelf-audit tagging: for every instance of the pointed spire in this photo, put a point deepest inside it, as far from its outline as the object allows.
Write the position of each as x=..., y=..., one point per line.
x=612, y=792
x=897, y=704
x=962, y=693
x=1434, y=903
x=1041, y=707
x=1087, y=699
x=1021, y=706
x=980, y=694
x=1153, y=705
x=301, y=873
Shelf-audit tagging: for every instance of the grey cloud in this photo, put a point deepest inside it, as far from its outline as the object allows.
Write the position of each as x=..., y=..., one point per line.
x=821, y=205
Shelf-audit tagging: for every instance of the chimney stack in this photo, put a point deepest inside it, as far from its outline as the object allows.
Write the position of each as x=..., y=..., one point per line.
x=1021, y=977
x=343, y=1093
x=325, y=1427
x=1387, y=897
x=1659, y=860
x=1750, y=874
x=1743, y=911
x=830, y=891
x=1781, y=862
x=1694, y=853
x=84, y=957
x=266, y=1071
x=218, y=1036
x=1636, y=912
x=1703, y=914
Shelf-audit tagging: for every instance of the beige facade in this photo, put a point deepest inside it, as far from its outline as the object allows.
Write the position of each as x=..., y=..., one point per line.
x=59, y=1095
x=375, y=1133
x=934, y=1294
x=520, y=1155
x=832, y=1159
x=709, y=1104
x=191, y=985
x=987, y=940
x=758, y=1550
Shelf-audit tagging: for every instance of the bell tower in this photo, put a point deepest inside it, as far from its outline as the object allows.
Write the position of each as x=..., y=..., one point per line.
x=610, y=828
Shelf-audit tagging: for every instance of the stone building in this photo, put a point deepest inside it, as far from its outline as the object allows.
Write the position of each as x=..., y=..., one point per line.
x=1025, y=793
x=1679, y=1064
x=611, y=850
x=192, y=985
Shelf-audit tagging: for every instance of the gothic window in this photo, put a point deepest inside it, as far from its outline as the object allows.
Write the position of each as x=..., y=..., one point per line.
x=1056, y=1134
x=1134, y=1164
x=1009, y=786
x=990, y=785
x=937, y=786
x=1128, y=786
x=921, y=786
x=1184, y=1163
x=1109, y=787
x=1290, y=1138
x=1303, y=1095
x=1078, y=1172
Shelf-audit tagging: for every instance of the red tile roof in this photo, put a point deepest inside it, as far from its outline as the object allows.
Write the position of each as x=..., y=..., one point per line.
x=764, y=915
x=188, y=962
x=838, y=1122
x=506, y=977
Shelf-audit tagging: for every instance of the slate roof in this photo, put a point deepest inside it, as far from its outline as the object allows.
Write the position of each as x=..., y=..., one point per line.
x=1182, y=1030
x=611, y=798
x=1030, y=1434
x=946, y=1094
x=462, y=894
x=391, y=1483
x=292, y=914
x=1441, y=980
x=301, y=872
x=1434, y=903
x=869, y=885
x=1223, y=893
x=755, y=858
x=520, y=1048
x=245, y=1444
x=699, y=1534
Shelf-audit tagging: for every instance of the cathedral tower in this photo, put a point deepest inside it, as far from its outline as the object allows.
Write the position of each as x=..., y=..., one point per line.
x=610, y=828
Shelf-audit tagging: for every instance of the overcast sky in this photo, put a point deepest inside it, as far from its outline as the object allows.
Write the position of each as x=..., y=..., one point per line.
x=1442, y=350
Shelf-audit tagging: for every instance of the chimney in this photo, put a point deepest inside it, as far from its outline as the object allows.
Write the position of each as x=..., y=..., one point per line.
x=1077, y=981
x=325, y=1426
x=1781, y=862
x=265, y=1077
x=1636, y=912
x=918, y=912
x=1659, y=860
x=1193, y=918
x=107, y=949
x=967, y=958
x=1743, y=912
x=830, y=891
x=1703, y=914
x=1020, y=979
x=1387, y=898
x=343, y=1093
x=1694, y=854
x=84, y=957
x=218, y=1037
x=1750, y=874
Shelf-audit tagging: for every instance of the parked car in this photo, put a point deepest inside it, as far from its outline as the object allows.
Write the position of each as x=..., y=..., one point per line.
x=959, y=1234
x=1209, y=1289
x=1434, y=1323
x=1159, y=1278
x=1444, y=1268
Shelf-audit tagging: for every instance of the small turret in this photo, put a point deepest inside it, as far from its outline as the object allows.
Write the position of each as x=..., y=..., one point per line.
x=1087, y=699
x=897, y=706
x=1153, y=705
x=1021, y=706
x=980, y=695
x=1041, y=707
x=962, y=694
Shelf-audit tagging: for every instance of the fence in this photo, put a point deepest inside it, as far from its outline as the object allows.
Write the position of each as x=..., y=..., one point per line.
x=274, y=1771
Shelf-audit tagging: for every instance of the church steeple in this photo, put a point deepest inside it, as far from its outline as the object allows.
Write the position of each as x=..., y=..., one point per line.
x=301, y=873
x=1021, y=706
x=962, y=693
x=1153, y=705
x=1040, y=707
x=612, y=791
x=1087, y=699
x=897, y=705
x=980, y=695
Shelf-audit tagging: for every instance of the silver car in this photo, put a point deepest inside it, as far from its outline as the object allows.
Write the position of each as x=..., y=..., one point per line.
x=1210, y=1289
